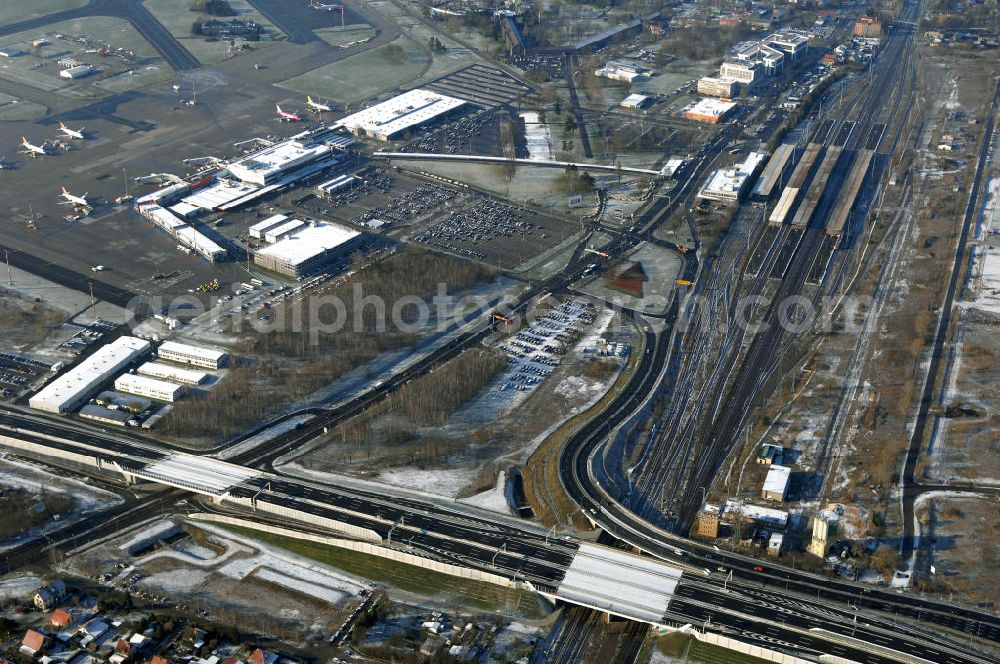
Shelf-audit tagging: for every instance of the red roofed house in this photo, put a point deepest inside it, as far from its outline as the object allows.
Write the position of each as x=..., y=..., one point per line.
x=32, y=643
x=262, y=657
x=158, y=660
x=60, y=618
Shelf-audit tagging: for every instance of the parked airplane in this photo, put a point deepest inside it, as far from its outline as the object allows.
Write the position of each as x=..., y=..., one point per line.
x=316, y=106
x=76, y=201
x=315, y=4
x=72, y=133
x=33, y=150
x=285, y=116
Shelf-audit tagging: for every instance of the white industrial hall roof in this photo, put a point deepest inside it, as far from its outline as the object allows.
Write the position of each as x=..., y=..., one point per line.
x=198, y=473
x=409, y=109
x=620, y=583
x=309, y=242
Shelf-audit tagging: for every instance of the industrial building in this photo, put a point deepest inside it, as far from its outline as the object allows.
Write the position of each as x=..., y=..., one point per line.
x=257, y=230
x=271, y=164
x=187, y=235
x=144, y=386
x=776, y=483
x=718, y=87
x=406, y=112
x=635, y=101
x=174, y=351
x=730, y=184
x=624, y=71
x=79, y=71
x=308, y=248
x=331, y=187
x=709, y=110
x=282, y=231
x=173, y=374
x=104, y=415
x=76, y=385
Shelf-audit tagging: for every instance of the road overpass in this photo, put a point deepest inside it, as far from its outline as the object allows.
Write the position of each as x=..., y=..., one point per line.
x=490, y=548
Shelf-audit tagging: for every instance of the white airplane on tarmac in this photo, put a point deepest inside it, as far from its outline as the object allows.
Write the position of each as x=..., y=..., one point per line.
x=33, y=150
x=72, y=133
x=317, y=106
x=75, y=201
x=285, y=116
x=315, y=4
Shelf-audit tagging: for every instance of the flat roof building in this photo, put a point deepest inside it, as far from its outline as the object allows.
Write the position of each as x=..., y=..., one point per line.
x=402, y=113
x=730, y=184
x=272, y=163
x=144, y=386
x=257, y=230
x=308, y=248
x=717, y=87
x=76, y=385
x=174, y=351
x=776, y=483
x=79, y=71
x=173, y=374
x=709, y=110
x=104, y=415
x=201, y=243
x=282, y=231
x=635, y=101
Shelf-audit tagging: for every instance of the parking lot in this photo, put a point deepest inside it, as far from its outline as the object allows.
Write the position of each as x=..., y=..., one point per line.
x=481, y=85
x=537, y=349
x=477, y=134
x=18, y=372
x=487, y=229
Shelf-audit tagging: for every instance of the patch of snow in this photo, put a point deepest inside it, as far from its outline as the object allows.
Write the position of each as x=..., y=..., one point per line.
x=494, y=499
x=21, y=585
x=447, y=482
x=308, y=587
x=181, y=580
x=152, y=532
x=536, y=135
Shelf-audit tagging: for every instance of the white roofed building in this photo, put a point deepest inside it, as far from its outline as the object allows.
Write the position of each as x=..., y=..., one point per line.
x=731, y=184
x=174, y=374
x=402, y=113
x=144, y=386
x=272, y=163
x=776, y=483
x=76, y=385
x=174, y=351
x=308, y=248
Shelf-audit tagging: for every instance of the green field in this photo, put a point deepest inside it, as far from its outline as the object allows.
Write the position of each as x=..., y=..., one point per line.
x=12, y=11
x=364, y=75
x=176, y=16
x=410, y=578
x=342, y=36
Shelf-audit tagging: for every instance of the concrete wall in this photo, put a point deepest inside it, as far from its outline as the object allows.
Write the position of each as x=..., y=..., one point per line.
x=84, y=462
x=747, y=649
x=368, y=548
x=302, y=517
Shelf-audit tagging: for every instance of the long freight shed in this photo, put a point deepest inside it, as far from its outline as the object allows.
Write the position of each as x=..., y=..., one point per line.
x=791, y=191
x=859, y=171
x=816, y=187
x=775, y=171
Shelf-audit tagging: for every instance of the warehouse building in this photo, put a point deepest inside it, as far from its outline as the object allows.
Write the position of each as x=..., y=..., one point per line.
x=718, y=87
x=331, y=187
x=635, y=101
x=173, y=374
x=257, y=230
x=279, y=160
x=283, y=231
x=173, y=351
x=709, y=110
x=79, y=71
x=144, y=386
x=402, y=113
x=309, y=248
x=776, y=483
x=730, y=184
x=119, y=418
x=76, y=385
